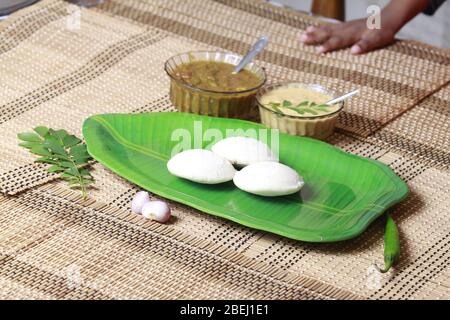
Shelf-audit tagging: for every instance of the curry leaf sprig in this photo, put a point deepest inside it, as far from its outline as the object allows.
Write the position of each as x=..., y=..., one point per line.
x=301, y=108
x=66, y=154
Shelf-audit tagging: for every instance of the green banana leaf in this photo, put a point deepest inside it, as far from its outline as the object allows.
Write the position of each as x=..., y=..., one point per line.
x=343, y=193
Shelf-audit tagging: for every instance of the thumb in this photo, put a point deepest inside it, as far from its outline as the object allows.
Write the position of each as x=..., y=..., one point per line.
x=370, y=42
x=362, y=46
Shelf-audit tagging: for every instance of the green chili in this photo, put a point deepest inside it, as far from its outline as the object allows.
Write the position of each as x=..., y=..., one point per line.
x=391, y=244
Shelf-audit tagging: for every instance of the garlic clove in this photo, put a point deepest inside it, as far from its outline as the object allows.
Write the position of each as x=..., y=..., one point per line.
x=156, y=210
x=141, y=198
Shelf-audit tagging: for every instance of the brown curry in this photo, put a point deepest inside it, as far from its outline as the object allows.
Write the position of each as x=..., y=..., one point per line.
x=216, y=76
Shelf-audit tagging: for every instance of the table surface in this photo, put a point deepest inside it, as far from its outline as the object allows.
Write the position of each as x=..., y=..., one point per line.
x=60, y=64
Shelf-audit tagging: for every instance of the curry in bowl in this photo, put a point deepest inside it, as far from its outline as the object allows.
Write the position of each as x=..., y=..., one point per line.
x=217, y=76
x=203, y=82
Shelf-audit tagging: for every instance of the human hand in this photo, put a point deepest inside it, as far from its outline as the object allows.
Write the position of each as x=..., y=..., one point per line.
x=355, y=33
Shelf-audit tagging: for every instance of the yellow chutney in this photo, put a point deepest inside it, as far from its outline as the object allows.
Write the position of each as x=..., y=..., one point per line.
x=298, y=109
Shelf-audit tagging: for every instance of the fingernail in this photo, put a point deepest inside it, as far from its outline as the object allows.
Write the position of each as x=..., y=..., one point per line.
x=355, y=49
x=320, y=49
x=303, y=37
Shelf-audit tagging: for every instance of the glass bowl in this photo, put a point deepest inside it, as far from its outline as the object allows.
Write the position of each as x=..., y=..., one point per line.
x=229, y=104
x=319, y=127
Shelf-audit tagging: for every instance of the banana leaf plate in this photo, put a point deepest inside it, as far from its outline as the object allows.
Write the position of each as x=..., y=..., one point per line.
x=343, y=193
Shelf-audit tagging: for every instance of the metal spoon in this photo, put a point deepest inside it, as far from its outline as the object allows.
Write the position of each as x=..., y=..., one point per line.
x=343, y=97
x=257, y=48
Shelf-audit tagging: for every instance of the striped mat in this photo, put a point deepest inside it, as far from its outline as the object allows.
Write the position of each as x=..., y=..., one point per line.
x=60, y=64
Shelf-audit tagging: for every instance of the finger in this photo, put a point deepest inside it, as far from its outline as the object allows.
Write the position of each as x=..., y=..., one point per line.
x=334, y=43
x=363, y=46
x=370, y=42
x=317, y=36
x=311, y=29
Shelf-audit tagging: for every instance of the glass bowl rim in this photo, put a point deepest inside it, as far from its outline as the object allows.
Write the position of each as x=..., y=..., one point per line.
x=307, y=85
x=184, y=84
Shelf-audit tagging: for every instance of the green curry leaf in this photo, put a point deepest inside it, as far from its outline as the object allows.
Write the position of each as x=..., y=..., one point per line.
x=66, y=153
x=287, y=103
x=301, y=108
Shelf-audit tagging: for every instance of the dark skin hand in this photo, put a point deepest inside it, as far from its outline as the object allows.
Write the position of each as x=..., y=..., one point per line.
x=357, y=35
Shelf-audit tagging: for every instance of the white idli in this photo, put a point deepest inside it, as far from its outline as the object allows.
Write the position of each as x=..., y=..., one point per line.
x=268, y=179
x=202, y=166
x=242, y=151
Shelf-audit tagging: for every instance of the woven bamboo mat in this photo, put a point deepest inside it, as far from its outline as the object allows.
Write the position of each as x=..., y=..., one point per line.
x=62, y=247
x=62, y=64
x=423, y=131
x=57, y=74
x=391, y=81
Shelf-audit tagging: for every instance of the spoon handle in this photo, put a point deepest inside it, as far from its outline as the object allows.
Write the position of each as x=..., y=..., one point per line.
x=257, y=48
x=343, y=97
